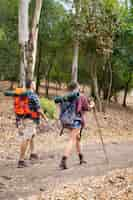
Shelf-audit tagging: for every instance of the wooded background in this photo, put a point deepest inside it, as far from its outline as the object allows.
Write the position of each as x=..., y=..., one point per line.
x=57, y=41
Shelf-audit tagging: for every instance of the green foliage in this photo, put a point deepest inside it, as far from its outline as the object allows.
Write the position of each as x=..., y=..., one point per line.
x=9, y=56
x=48, y=107
x=103, y=27
x=54, y=38
x=122, y=61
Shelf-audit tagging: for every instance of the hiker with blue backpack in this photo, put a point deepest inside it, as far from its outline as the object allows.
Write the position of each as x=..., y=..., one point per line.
x=72, y=116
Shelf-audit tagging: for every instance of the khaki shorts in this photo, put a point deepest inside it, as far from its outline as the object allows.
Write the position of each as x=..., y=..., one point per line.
x=26, y=129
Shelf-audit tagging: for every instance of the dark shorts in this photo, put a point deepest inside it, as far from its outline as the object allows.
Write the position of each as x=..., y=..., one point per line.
x=76, y=124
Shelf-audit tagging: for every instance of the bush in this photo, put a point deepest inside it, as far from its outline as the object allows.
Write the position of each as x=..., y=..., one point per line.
x=49, y=107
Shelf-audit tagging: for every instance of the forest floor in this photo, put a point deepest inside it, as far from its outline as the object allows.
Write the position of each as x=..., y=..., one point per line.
x=95, y=180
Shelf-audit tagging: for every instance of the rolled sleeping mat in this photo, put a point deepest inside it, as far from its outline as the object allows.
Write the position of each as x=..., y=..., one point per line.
x=16, y=92
x=9, y=93
x=70, y=97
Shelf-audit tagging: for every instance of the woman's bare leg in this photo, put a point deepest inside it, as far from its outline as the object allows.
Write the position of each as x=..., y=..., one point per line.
x=68, y=150
x=72, y=141
x=78, y=148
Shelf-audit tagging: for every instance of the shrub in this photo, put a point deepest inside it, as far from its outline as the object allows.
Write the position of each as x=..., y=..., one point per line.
x=49, y=107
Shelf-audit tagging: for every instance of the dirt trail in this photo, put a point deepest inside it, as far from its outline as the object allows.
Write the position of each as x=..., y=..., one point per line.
x=45, y=174
x=116, y=124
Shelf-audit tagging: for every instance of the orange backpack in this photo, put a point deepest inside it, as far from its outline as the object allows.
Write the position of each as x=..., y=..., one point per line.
x=21, y=105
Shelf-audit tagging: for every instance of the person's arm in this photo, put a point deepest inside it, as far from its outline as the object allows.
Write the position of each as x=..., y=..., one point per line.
x=38, y=107
x=42, y=114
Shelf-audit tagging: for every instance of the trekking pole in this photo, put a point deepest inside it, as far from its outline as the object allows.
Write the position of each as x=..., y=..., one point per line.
x=62, y=130
x=81, y=129
x=101, y=137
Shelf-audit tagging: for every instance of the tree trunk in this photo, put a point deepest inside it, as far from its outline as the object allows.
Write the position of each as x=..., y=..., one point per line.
x=38, y=67
x=126, y=4
x=96, y=90
x=33, y=38
x=28, y=42
x=12, y=85
x=23, y=30
x=110, y=83
x=56, y=88
x=47, y=80
x=95, y=81
x=23, y=65
x=75, y=62
x=126, y=90
x=47, y=88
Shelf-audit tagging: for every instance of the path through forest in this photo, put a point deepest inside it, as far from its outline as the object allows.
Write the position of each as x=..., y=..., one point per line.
x=45, y=174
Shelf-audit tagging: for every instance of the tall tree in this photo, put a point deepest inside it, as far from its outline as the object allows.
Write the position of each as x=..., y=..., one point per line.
x=33, y=38
x=77, y=9
x=23, y=38
x=99, y=33
x=28, y=39
x=76, y=33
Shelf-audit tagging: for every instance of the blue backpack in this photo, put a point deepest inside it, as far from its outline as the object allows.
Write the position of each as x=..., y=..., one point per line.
x=68, y=113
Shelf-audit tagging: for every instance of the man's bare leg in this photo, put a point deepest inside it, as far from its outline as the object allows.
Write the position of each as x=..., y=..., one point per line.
x=33, y=155
x=23, y=149
x=32, y=145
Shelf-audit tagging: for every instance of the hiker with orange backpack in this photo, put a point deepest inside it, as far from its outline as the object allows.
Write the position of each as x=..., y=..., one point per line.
x=28, y=112
x=27, y=123
x=72, y=117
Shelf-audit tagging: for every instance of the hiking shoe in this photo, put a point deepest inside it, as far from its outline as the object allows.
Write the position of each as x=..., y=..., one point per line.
x=63, y=163
x=33, y=156
x=21, y=164
x=81, y=159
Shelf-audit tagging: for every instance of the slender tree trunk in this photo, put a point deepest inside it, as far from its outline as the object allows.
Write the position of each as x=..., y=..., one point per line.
x=126, y=4
x=38, y=67
x=23, y=30
x=110, y=83
x=126, y=90
x=77, y=4
x=33, y=40
x=47, y=80
x=104, y=83
x=28, y=42
x=95, y=81
x=115, y=96
x=96, y=90
x=75, y=62
x=12, y=85
x=23, y=65
x=47, y=88
x=56, y=88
